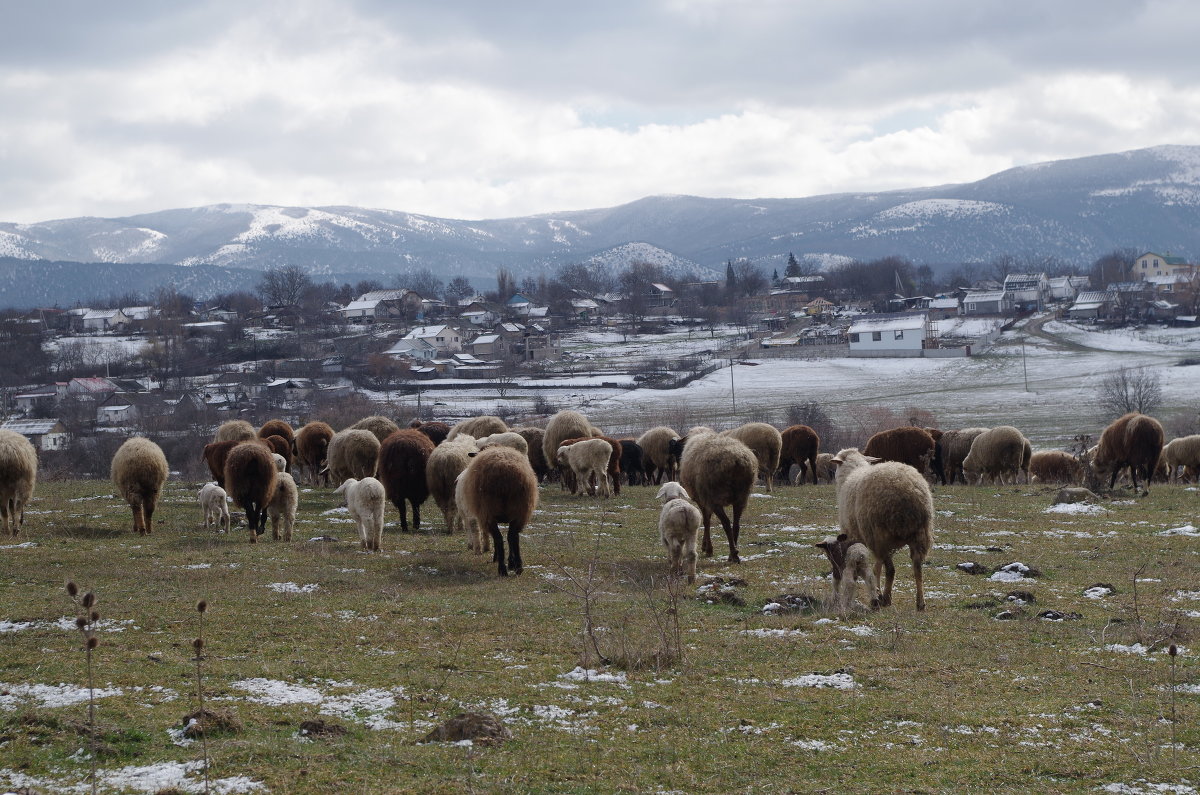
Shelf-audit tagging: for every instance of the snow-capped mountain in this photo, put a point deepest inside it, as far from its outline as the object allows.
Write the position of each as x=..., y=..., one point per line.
x=1073, y=209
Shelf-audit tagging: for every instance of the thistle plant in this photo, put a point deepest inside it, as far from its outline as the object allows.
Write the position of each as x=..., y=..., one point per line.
x=198, y=646
x=85, y=622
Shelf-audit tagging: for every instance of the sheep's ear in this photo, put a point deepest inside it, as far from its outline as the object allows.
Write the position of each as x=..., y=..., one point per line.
x=842, y=537
x=837, y=462
x=821, y=545
x=472, y=455
x=873, y=460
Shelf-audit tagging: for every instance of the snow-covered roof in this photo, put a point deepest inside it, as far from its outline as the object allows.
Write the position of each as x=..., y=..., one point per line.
x=871, y=323
x=428, y=331
x=984, y=297
x=360, y=305
x=485, y=338
x=584, y=303
x=1168, y=278
x=1096, y=297
x=375, y=296
x=943, y=303
x=100, y=314
x=34, y=427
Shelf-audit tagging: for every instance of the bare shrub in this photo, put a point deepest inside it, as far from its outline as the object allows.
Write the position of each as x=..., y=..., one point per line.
x=1129, y=389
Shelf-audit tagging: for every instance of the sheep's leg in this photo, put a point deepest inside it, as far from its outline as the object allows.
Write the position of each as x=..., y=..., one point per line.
x=498, y=543
x=872, y=583
x=889, y=567
x=416, y=515
x=148, y=512
x=878, y=577
x=707, y=546
x=731, y=533
x=689, y=558
x=275, y=526
x=515, y=564
x=918, y=578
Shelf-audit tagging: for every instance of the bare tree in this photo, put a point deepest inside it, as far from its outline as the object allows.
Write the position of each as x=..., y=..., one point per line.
x=284, y=286
x=1130, y=389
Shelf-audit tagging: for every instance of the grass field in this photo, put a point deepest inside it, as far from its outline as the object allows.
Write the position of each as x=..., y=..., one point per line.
x=728, y=699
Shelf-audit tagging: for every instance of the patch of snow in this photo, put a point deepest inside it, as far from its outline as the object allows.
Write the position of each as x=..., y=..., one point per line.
x=49, y=696
x=1185, y=530
x=291, y=587
x=581, y=674
x=1076, y=508
x=836, y=681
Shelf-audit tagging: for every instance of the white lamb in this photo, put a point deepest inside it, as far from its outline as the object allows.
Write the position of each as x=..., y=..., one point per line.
x=366, y=499
x=280, y=462
x=850, y=562
x=478, y=541
x=588, y=461
x=678, y=527
x=283, y=505
x=214, y=502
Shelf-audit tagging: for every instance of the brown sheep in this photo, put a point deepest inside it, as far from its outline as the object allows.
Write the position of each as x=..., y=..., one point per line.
x=251, y=480
x=235, y=431
x=312, y=444
x=382, y=427
x=534, y=437
x=908, y=445
x=215, y=454
x=139, y=470
x=718, y=471
x=656, y=452
x=562, y=426
x=953, y=447
x=1055, y=466
x=436, y=431
x=764, y=441
x=281, y=446
x=801, y=444
x=278, y=428
x=401, y=469
x=18, y=476
x=1134, y=441
x=499, y=486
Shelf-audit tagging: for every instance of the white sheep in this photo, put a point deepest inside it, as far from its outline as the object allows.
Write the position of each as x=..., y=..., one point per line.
x=885, y=506
x=1183, y=451
x=850, y=561
x=588, y=461
x=678, y=527
x=283, y=506
x=445, y=464
x=280, y=462
x=215, y=504
x=366, y=500
x=477, y=540
x=18, y=475
x=507, y=439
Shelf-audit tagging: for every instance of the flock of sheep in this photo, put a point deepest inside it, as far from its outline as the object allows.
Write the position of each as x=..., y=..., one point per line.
x=482, y=474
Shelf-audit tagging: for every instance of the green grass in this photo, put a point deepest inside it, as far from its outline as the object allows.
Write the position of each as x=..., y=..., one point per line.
x=951, y=699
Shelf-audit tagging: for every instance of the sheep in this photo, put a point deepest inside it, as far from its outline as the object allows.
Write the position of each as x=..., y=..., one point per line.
x=1055, y=466
x=139, y=470
x=996, y=453
x=850, y=562
x=678, y=527
x=885, y=506
x=632, y=463
x=477, y=540
x=18, y=476
x=381, y=427
x=587, y=459
x=281, y=447
x=507, y=439
x=655, y=444
x=764, y=441
x=537, y=456
x=718, y=471
x=366, y=500
x=215, y=454
x=401, y=468
x=1071, y=495
x=562, y=426
x=280, y=462
x=312, y=443
x=697, y=430
x=799, y=444
x=436, y=431
x=352, y=454
x=478, y=427
x=825, y=468
x=235, y=431
x=1183, y=451
x=908, y=445
x=1134, y=441
x=278, y=428
x=499, y=486
x=954, y=446
x=446, y=463
x=937, y=465
x=215, y=504
x=251, y=479
x=283, y=506
x=612, y=469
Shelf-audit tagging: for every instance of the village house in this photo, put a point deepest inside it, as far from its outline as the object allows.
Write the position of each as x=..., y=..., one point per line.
x=1152, y=264
x=892, y=334
x=44, y=434
x=989, y=302
x=40, y=399
x=384, y=305
x=942, y=308
x=104, y=320
x=1065, y=288
x=419, y=349
x=1028, y=291
x=446, y=339
x=1093, y=305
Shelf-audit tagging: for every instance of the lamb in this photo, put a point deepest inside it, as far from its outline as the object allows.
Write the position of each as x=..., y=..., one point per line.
x=446, y=463
x=215, y=504
x=1055, y=466
x=534, y=437
x=678, y=527
x=562, y=426
x=954, y=446
x=280, y=462
x=436, y=431
x=764, y=441
x=1134, y=441
x=366, y=500
x=139, y=470
x=996, y=453
x=283, y=506
x=632, y=463
x=587, y=460
x=799, y=445
x=381, y=427
x=655, y=444
x=478, y=427
x=251, y=479
x=908, y=445
x=352, y=454
x=312, y=444
x=18, y=476
x=401, y=467
x=507, y=439
x=850, y=561
x=235, y=431
x=718, y=471
x=885, y=506
x=278, y=428
x=499, y=486
x=1183, y=451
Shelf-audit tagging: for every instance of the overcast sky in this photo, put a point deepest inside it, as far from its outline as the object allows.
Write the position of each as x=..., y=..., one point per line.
x=490, y=109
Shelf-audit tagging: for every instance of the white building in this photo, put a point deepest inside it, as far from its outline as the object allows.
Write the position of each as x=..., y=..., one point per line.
x=44, y=434
x=446, y=339
x=899, y=334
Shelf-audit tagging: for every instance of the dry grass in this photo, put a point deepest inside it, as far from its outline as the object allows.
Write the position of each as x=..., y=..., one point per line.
x=392, y=644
